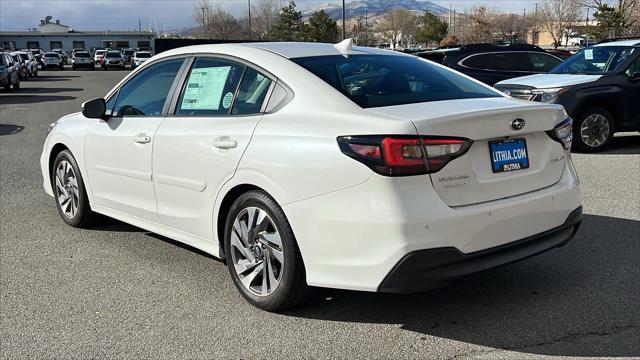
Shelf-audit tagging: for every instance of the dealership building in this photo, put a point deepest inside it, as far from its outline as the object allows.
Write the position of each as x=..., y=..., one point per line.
x=55, y=35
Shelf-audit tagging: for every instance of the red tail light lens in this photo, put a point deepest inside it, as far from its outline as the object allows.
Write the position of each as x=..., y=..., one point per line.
x=404, y=155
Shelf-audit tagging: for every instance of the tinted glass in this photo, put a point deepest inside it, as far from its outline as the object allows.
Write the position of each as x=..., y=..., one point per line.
x=542, y=62
x=210, y=87
x=510, y=61
x=596, y=60
x=147, y=92
x=82, y=54
x=386, y=80
x=634, y=67
x=24, y=56
x=482, y=61
x=112, y=54
x=251, y=93
x=143, y=55
x=51, y=55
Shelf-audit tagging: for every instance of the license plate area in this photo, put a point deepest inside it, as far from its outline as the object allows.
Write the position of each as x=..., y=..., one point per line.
x=508, y=155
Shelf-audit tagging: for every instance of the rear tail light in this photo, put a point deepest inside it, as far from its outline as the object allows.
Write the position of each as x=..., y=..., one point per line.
x=563, y=133
x=404, y=155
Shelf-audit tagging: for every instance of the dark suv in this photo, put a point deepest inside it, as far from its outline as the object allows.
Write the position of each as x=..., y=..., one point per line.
x=491, y=63
x=599, y=88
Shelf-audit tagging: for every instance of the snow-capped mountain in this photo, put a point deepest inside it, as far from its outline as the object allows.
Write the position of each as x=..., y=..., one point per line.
x=374, y=8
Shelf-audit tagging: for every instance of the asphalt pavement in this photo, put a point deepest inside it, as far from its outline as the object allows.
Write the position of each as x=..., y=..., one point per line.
x=116, y=291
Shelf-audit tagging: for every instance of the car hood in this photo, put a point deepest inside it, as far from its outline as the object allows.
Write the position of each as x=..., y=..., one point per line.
x=544, y=81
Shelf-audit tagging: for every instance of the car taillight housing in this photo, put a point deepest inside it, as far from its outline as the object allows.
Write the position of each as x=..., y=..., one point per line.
x=401, y=155
x=563, y=133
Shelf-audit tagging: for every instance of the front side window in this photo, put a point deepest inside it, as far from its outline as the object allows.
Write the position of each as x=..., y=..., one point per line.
x=542, y=62
x=146, y=93
x=210, y=87
x=596, y=60
x=387, y=80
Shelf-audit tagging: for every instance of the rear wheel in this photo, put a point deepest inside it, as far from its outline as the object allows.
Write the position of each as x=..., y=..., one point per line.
x=68, y=187
x=262, y=254
x=594, y=130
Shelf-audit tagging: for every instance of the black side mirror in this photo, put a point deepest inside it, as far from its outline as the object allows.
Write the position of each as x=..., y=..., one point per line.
x=635, y=76
x=94, y=109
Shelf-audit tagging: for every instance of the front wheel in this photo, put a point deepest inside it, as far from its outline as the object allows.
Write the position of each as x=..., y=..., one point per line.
x=594, y=130
x=68, y=187
x=262, y=254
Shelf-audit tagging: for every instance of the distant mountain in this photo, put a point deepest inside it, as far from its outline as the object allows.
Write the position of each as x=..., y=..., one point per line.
x=374, y=8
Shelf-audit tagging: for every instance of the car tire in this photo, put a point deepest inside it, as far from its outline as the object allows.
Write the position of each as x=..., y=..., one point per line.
x=594, y=130
x=264, y=261
x=16, y=85
x=65, y=177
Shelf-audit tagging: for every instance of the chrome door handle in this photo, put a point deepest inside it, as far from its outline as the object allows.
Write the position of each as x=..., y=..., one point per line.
x=142, y=139
x=225, y=142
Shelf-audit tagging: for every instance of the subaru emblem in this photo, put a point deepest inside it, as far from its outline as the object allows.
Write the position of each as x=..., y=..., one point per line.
x=517, y=124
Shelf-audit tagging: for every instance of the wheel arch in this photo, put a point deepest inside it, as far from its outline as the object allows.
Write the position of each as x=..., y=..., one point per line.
x=225, y=205
x=55, y=150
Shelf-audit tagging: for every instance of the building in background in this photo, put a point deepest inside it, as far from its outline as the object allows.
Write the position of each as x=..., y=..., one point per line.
x=55, y=35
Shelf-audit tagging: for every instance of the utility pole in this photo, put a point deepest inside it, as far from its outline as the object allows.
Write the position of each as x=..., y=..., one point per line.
x=454, y=22
x=204, y=21
x=250, y=28
x=344, y=15
x=366, y=26
x=524, y=25
x=535, y=26
x=139, y=25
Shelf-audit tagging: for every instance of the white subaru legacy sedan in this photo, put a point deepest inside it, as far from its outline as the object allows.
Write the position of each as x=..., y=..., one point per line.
x=318, y=165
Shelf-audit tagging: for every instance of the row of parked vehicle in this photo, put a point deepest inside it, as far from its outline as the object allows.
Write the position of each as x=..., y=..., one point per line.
x=599, y=86
x=16, y=66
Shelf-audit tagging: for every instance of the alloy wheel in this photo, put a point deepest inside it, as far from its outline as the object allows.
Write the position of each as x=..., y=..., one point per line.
x=256, y=251
x=595, y=130
x=67, y=189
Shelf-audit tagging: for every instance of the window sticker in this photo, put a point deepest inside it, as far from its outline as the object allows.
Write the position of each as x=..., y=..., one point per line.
x=204, y=88
x=227, y=100
x=588, y=54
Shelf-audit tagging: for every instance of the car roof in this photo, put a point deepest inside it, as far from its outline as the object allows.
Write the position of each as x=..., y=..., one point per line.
x=632, y=42
x=304, y=49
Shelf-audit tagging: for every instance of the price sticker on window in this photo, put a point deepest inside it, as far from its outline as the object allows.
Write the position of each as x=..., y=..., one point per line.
x=204, y=88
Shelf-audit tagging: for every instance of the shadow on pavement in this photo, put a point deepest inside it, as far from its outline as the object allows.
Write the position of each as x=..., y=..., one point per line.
x=624, y=145
x=10, y=129
x=50, y=90
x=30, y=99
x=580, y=300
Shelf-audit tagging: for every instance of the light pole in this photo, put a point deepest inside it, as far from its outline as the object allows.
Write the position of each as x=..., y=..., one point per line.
x=204, y=21
x=344, y=15
x=250, y=28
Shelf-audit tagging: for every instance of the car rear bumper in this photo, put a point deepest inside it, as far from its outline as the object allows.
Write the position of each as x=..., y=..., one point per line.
x=432, y=268
x=355, y=237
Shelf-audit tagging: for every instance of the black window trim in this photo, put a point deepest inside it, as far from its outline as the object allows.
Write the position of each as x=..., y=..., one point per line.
x=461, y=62
x=171, y=111
x=116, y=90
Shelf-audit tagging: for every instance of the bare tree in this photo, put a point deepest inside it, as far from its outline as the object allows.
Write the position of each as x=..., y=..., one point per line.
x=395, y=25
x=558, y=17
x=264, y=15
x=620, y=20
x=200, y=13
x=215, y=22
x=479, y=25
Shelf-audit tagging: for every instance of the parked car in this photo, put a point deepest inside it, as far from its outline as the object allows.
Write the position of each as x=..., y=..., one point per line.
x=139, y=57
x=98, y=55
x=127, y=54
x=20, y=65
x=63, y=55
x=37, y=53
x=308, y=164
x=491, y=63
x=52, y=60
x=82, y=59
x=112, y=59
x=599, y=87
x=75, y=50
x=30, y=62
x=9, y=76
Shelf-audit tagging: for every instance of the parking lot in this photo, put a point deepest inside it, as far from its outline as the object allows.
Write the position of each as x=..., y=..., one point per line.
x=116, y=291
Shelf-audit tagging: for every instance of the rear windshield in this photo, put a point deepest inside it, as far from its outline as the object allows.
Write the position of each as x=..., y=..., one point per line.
x=82, y=54
x=24, y=56
x=387, y=80
x=112, y=54
x=51, y=55
x=128, y=52
x=143, y=55
x=100, y=52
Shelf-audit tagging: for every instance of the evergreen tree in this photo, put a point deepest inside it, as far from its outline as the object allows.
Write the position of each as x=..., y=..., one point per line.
x=433, y=29
x=322, y=28
x=289, y=25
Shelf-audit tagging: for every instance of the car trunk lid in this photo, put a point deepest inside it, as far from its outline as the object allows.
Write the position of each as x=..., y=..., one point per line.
x=470, y=178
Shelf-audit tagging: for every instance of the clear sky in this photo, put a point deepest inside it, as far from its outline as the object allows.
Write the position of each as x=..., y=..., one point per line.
x=19, y=15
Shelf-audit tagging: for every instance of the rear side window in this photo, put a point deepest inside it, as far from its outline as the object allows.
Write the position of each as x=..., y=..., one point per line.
x=387, y=80
x=210, y=87
x=251, y=93
x=499, y=61
x=542, y=62
x=146, y=93
x=481, y=61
